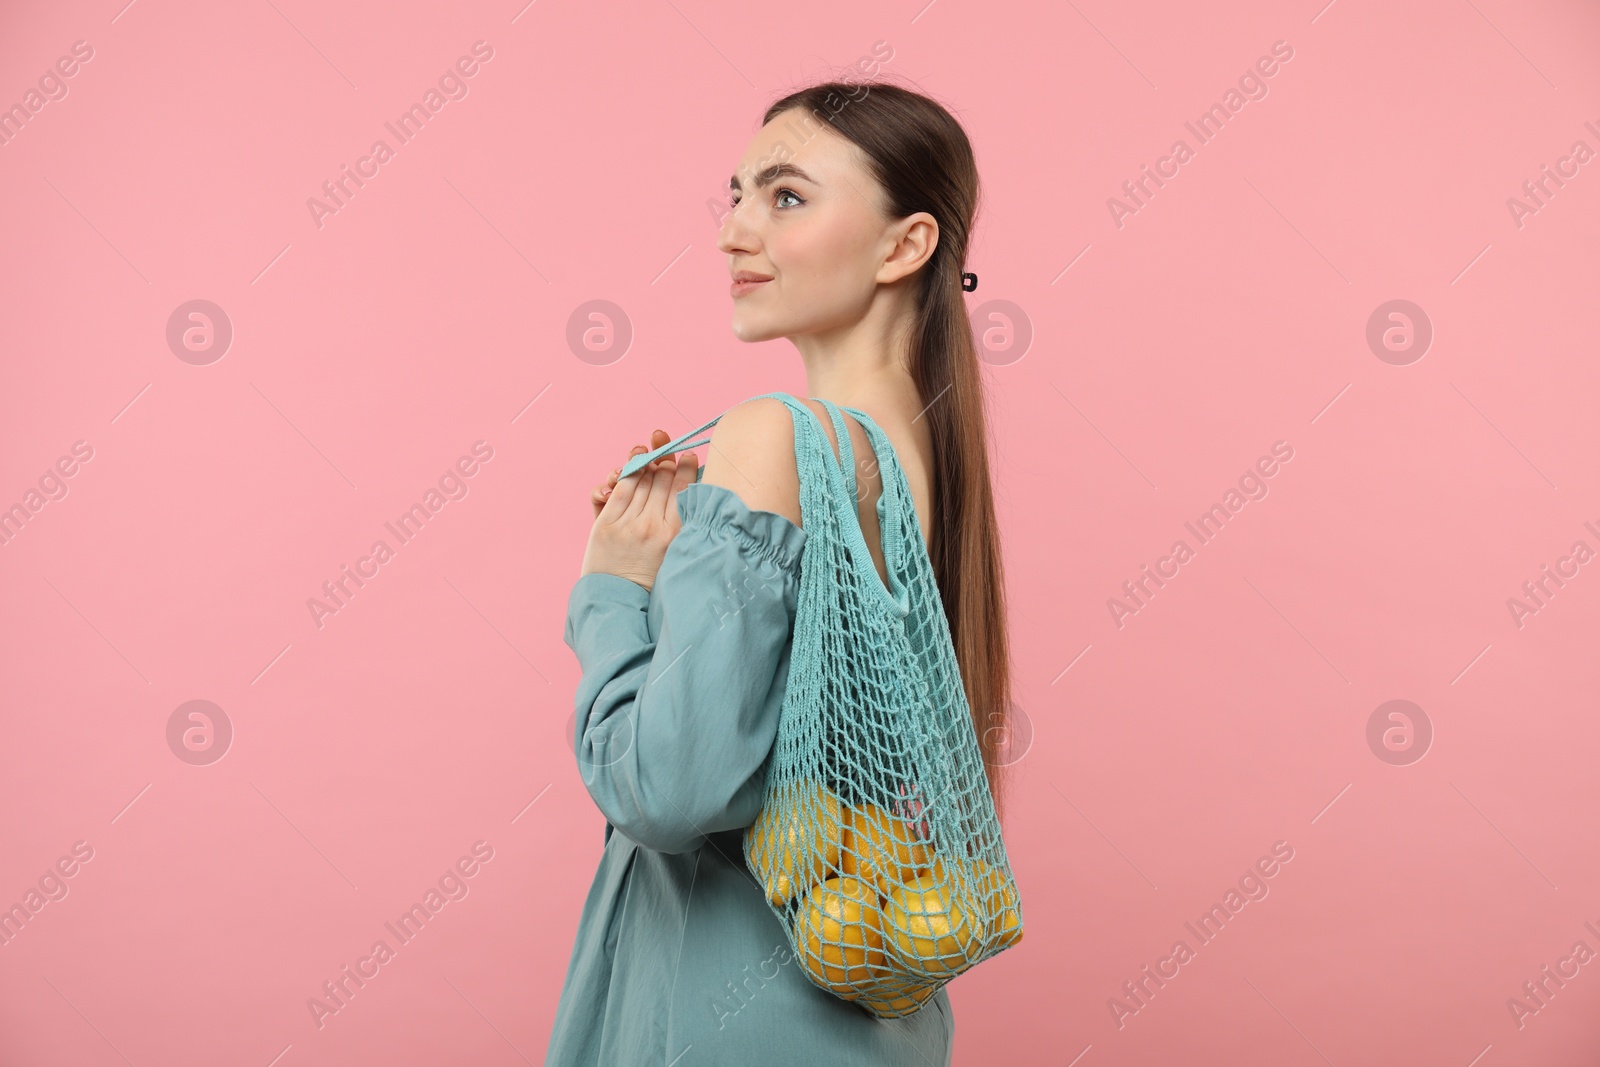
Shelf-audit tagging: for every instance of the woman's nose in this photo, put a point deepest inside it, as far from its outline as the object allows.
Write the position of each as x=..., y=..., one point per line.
x=735, y=235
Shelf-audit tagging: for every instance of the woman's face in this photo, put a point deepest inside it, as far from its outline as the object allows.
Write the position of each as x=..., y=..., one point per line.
x=808, y=215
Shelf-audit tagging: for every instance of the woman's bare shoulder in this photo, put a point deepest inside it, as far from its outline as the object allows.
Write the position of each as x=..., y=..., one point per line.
x=751, y=453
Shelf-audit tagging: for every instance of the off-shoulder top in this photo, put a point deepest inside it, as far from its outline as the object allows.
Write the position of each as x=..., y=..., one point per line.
x=678, y=960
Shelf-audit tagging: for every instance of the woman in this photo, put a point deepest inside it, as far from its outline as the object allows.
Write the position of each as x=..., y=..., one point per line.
x=846, y=236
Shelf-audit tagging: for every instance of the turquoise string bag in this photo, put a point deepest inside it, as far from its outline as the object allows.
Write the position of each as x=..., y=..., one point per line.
x=877, y=846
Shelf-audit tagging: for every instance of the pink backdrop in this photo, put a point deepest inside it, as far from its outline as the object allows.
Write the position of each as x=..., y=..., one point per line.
x=1392, y=480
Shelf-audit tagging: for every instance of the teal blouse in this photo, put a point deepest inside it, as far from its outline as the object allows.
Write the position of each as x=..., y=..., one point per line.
x=678, y=960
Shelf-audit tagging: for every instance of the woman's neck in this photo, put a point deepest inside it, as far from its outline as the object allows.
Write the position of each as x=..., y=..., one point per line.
x=858, y=372
x=864, y=361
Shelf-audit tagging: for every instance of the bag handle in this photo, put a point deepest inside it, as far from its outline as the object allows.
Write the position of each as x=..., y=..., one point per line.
x=847, y=454
x=677, y=444
x=888, y=468
x=895, y=494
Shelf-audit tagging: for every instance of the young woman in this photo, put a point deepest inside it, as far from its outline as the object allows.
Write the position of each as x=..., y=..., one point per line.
x=847, y=234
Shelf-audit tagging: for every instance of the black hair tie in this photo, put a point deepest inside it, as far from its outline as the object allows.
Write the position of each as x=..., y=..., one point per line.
x=969, y=286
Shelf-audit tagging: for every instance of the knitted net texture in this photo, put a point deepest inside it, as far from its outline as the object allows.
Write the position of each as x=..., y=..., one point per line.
x=878, y=845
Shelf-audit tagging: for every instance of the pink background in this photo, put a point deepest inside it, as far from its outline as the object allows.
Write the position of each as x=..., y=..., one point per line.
x=1167, y=355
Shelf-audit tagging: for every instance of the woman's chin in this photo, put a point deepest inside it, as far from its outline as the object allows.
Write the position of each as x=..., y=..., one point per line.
x=751, y=332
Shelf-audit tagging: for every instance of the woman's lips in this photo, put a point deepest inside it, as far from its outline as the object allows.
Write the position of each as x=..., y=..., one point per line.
x=741, y=288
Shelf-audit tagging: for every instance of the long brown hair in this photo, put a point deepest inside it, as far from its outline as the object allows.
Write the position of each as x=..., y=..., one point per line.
x=921, y=157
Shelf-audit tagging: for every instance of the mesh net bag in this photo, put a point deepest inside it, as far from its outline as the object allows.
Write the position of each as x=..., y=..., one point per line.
x=877, y=846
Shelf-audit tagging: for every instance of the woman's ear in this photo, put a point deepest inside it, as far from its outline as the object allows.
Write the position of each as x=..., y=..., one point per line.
x=916, y=237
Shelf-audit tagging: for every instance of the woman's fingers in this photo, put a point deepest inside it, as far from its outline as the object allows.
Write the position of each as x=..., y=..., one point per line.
x=623, y=497
x=616, y=472
x=643, y=480
x=657, y=439
x=688, y=466
x=639, y=494
x=661, y=490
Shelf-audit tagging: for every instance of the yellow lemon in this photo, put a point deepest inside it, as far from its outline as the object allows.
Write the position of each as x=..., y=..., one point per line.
x=954, y=877
x=793, y=845
x=930, y=926
x=896, y=999
x=1007, y=930
x=839, y=931
x=880, y=848
x=1005, y=923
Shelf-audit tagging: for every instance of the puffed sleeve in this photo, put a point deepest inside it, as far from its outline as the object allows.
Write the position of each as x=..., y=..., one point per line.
x=675, y=722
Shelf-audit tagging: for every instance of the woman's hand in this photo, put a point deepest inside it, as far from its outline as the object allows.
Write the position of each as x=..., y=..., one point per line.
x=598, y=499
x=639, y=518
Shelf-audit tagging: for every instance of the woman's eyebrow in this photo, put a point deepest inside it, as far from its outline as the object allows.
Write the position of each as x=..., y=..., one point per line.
x=772, y=174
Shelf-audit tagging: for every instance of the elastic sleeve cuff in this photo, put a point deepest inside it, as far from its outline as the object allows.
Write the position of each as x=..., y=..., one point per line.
x=764, y=534
x=599, y=586
x=606, y=614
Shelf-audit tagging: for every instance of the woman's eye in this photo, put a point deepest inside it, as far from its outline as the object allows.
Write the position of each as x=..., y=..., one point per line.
x=733, y=201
